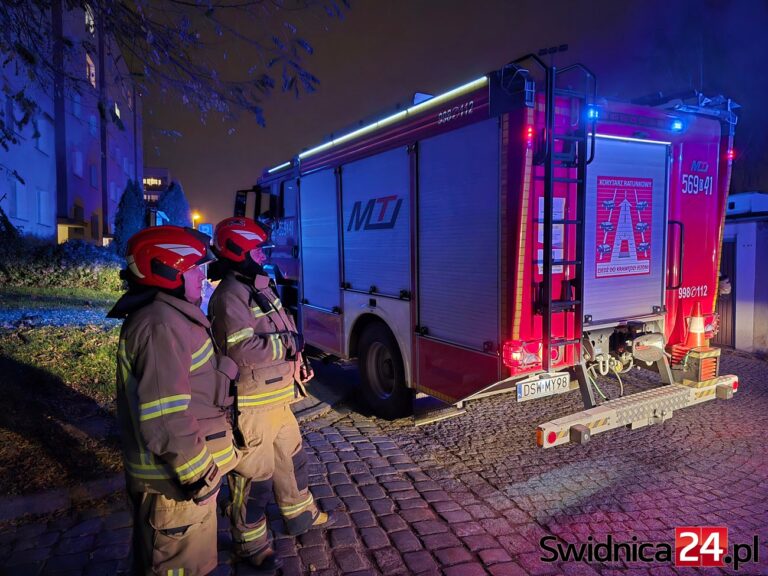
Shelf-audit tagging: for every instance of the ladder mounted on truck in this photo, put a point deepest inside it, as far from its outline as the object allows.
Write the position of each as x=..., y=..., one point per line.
x=565, y=151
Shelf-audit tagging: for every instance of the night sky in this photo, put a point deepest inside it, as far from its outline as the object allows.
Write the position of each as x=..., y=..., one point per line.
x=384, y=51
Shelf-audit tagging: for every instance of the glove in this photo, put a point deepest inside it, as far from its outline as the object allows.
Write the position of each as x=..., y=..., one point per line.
x=294, y=344
x=306, y=371
x=207, y=487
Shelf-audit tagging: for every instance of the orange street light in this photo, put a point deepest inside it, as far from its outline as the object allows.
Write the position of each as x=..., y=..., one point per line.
x=195, y=218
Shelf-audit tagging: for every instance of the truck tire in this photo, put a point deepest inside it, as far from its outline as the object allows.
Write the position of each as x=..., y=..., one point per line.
x=382, y=374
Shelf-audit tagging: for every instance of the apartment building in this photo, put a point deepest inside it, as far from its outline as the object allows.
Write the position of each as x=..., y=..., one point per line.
x=64, y=178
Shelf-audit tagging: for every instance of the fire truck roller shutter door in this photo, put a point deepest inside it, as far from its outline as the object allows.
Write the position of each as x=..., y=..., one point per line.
x=625, y=229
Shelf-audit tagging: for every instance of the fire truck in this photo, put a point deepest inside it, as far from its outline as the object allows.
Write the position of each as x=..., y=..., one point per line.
x=516, y=233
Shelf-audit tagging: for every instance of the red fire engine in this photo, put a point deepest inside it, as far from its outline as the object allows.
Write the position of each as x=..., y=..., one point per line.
x=516, y=232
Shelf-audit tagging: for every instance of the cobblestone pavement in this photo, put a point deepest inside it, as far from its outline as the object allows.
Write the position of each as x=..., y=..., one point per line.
x=472, y=495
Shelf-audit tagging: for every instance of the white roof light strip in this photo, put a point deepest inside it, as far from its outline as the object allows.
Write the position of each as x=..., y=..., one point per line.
x=278, y=167
x=468, y=87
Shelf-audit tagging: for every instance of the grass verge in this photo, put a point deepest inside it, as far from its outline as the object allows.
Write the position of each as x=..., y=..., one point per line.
x=35, y=297
x=57, y=407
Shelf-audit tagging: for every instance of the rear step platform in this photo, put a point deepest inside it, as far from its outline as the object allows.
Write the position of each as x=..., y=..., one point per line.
x=427, y=410
x=635, y=411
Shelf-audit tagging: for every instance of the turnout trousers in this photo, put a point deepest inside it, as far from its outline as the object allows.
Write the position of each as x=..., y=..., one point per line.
x=172, y=537
x=272, y=461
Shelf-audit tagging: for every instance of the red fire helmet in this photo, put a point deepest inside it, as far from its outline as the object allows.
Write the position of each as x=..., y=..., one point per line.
x=159, y=255
x=235, y=237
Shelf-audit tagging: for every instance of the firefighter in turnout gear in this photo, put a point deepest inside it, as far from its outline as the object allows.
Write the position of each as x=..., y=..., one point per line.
x=173, y=396
x=251, y=326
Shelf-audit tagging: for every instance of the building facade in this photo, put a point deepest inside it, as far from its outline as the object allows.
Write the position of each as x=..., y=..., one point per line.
x=64, y=178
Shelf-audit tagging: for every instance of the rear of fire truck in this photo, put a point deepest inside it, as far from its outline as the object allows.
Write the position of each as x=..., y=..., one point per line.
x=628, y=203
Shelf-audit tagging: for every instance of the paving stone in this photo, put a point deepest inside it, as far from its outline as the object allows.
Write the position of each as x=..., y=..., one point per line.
x=343, y=537
x=417, y=515
x=392, y=522
x=363, y=478
x=397, y=486
x=494, y=556
x=412, y=504
x=382, y=507
x=364, y=519
x=467, y=528
x=477, y=542
x=356, y=504
x=374, y=538
x=389, y=561
x=456, y=516
x=446, y=506
x=405, y=541
x=419, y=562
x=314, y=557
x=349, y=560
x=426, y=527
x=321, y=491
x=312, y=538
x=469, y=569
x=507, y=569
x=346, y=490
x=438, y=541
x=451, y=556
x=372, y=492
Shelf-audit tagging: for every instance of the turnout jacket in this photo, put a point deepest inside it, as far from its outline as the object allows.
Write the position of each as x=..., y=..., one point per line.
x=250, y=325
x=172, y=400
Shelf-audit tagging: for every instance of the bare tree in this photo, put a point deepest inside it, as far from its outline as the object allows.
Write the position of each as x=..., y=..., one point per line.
x=221, y=56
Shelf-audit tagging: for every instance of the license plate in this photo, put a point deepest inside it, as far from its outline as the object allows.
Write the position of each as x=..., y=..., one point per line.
x=546, y=386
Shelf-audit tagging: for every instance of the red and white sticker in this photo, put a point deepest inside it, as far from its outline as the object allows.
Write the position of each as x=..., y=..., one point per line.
x=623, y=227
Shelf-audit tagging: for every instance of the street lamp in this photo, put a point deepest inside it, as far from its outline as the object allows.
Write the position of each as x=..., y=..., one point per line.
x=195, y=218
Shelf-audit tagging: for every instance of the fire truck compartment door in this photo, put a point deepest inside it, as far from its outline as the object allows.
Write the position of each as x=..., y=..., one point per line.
x=320, y=241
x=375, y=201
x=625, y=230
x=458, y=231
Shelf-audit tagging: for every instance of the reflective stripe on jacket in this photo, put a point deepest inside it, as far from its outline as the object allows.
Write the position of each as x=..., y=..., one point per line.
x=259, y=340
x=172, y=400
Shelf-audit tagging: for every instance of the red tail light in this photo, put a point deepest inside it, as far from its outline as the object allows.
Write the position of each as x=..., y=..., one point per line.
x=519, y=354
x=735, y=384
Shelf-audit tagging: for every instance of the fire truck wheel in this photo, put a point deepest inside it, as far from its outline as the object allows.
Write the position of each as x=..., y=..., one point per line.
x=382, y=374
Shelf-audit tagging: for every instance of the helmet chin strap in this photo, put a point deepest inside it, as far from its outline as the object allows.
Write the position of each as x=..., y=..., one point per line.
x=250, y=268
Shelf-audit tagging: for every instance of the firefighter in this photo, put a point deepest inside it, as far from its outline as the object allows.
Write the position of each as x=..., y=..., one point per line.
x=173, y=395
x=251, y=326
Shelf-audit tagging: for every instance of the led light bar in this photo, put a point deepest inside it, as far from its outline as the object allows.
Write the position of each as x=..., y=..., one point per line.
x=278, y=167
x=463, y=89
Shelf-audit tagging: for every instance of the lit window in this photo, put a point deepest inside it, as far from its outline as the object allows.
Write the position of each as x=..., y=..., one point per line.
x=90, y=21
x=90, y=70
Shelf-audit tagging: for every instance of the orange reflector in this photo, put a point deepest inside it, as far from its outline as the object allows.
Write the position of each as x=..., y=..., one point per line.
x=539, y=437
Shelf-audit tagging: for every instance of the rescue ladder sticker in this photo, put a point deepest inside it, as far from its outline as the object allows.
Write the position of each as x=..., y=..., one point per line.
x=623, y=226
